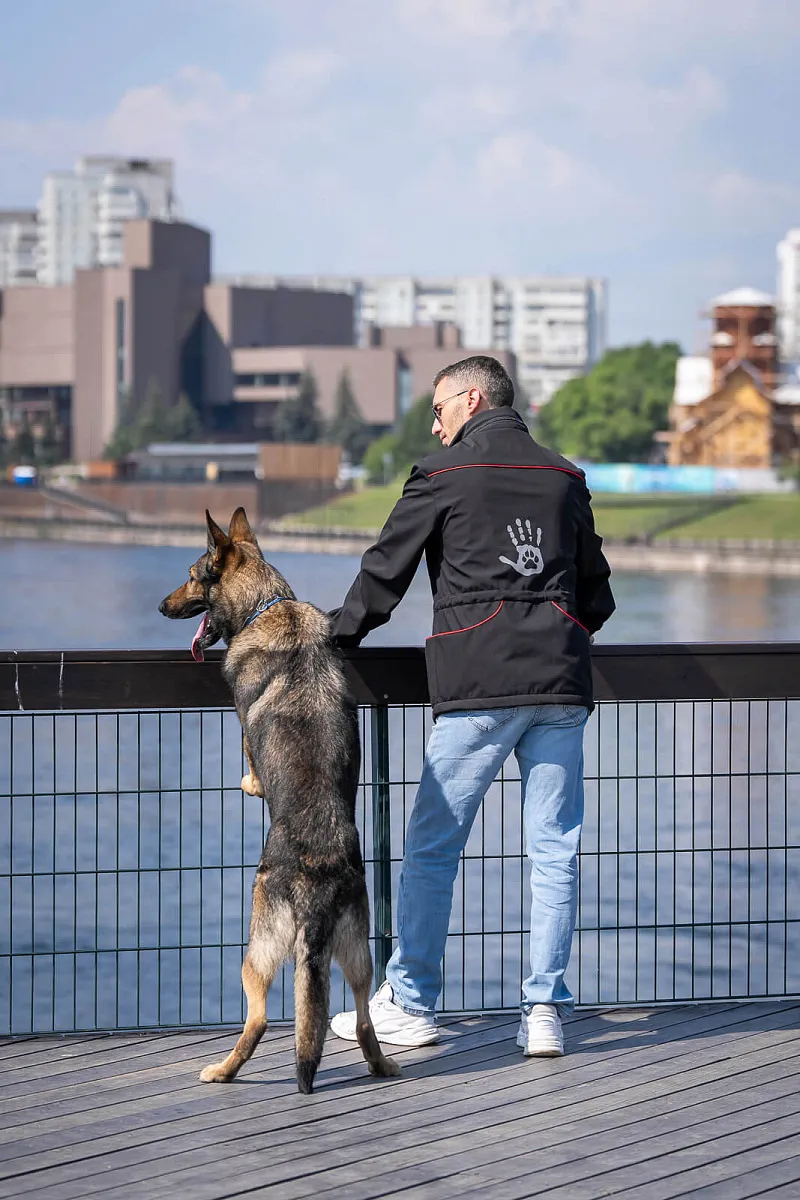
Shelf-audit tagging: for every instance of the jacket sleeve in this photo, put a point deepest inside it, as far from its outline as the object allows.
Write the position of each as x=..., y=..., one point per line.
x=593, y=596
x=389, y=566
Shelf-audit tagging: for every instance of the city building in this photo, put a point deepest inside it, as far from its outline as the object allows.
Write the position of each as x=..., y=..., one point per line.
x=77, y=354
x=789, y=296
x=82, y=212
x=555, y=327
x=19, y=237
x=732, y=407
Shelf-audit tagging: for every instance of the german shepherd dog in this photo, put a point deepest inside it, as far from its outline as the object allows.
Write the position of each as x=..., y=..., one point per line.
x=302, y=747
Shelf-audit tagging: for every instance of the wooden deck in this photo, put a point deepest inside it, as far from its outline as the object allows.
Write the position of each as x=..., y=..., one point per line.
x=685, y=1101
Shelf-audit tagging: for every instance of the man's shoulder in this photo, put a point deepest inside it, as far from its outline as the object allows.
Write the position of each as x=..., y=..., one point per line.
x=463, y=454
x=549, y=458
x=437, y=460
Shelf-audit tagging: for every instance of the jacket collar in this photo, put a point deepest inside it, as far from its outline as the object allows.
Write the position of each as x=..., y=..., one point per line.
x=491, y=416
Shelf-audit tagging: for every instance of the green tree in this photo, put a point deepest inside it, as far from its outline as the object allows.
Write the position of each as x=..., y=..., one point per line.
x=348, y=428
x=49, y=449
x=415, y=439
x=298, y=419
x=123, y=439
x=182, y=421
x=410, y=442
x=380, y=460
x=611, y=414
x=154, y=422
x=24, y=452
x=5, y=445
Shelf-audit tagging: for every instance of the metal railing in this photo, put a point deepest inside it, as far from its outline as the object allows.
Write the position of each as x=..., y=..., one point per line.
x=127, y=849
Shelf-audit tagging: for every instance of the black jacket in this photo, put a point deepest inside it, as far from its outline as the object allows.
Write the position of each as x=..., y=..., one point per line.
x=517, y=572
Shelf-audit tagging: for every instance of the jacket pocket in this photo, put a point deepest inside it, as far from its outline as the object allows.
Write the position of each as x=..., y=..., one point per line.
x=467, y=628
x=458, y=653
x=571, y=618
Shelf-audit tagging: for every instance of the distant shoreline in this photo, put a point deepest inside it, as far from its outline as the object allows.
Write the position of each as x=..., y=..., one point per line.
x=699, y=557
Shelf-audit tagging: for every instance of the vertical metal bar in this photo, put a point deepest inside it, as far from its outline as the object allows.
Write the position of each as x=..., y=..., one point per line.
x=381, y=840
x=53, y=930
x=33, y=873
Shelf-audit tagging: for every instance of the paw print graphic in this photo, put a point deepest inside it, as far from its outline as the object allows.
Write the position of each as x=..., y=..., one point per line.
x=529, y=557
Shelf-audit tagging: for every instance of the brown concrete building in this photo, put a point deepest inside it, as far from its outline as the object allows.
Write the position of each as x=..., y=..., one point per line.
x=77, y=352
x=386, y=376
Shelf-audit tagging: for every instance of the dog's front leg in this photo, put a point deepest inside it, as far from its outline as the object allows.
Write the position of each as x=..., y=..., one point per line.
x=250, y=782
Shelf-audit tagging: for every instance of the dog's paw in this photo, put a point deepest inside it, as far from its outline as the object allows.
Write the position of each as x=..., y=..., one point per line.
x=384, y=1068
x=251, y=785
x=214, y=1073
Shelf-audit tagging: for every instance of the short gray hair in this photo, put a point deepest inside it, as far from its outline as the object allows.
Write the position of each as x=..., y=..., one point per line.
x=484, y=373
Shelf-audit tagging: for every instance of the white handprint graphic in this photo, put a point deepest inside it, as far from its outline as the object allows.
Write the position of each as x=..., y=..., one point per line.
x=529, y=557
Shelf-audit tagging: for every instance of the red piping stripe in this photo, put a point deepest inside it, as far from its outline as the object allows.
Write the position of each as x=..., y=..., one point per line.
x=448, y=632
x=505, y=467
x=566, y=614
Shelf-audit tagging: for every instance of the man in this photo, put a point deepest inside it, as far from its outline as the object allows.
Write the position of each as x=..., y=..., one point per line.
x=519, y=585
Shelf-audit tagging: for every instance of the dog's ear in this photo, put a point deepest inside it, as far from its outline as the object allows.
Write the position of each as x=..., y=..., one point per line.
x=240, y=530
x=217, y=538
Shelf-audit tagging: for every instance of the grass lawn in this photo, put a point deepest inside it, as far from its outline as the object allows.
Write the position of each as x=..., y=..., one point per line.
x=775, y=517
x=626, y=516
x=357, y=510
x=633, y=516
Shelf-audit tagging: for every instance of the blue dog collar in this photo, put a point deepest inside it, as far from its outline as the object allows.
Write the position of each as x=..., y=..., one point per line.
x=262, y=608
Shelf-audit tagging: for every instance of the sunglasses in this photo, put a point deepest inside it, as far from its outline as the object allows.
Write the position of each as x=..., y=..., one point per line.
x=436, y=409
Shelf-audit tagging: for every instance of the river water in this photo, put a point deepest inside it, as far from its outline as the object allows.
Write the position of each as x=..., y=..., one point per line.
x=61, y=597
x=127, y=848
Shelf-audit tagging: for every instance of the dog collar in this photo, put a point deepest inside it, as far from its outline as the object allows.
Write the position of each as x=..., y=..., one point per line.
x=262, y=608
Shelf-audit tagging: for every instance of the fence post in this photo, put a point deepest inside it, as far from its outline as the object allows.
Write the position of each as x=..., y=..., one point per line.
x=381, y=841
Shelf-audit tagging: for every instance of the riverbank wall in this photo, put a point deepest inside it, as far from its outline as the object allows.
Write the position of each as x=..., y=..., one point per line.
x=731, y=557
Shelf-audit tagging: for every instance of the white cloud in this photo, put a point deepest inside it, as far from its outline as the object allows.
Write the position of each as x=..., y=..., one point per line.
x=753, y=203
x=471, y=134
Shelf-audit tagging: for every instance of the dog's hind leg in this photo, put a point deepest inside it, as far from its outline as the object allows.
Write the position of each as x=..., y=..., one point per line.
x=272, y=935
x=312, y=989
x=256, y=985
x=351, y=949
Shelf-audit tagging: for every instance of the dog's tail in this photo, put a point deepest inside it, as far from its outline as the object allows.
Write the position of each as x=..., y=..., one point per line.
x=312, y=987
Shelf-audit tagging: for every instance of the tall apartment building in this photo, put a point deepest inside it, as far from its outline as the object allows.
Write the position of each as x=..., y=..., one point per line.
x=82, y=212
x=555, y=326
x=18, y=241
x=789, y=296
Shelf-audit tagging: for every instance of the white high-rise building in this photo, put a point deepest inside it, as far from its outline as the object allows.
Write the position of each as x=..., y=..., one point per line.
x=18, y=241
x=554, y=325
x=789, y=296
x=81, y=212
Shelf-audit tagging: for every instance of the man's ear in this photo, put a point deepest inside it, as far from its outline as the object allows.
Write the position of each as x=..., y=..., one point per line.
x=239, y=530
x=217, y=538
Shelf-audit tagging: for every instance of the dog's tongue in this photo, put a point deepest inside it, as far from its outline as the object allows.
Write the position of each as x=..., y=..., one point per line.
x=197, y=649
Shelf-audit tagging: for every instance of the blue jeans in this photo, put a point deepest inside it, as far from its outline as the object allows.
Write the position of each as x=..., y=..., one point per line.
x=465, y=753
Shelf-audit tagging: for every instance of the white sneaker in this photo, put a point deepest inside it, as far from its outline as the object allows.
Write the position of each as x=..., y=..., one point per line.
x=392, y=1025
x=540, y=1034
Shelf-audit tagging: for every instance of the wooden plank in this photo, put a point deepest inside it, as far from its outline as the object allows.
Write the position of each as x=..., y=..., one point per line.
x=15, y=1051
x=347, y=1172
x=774, y=1179
x=314, y=1144
x=259, y=1143
x=95, y=1052
x=365, y=1099
x=69, y=1131
x=576, y=1174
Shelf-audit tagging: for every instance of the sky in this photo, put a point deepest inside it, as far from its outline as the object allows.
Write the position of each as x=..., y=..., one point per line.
x=654, y=143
